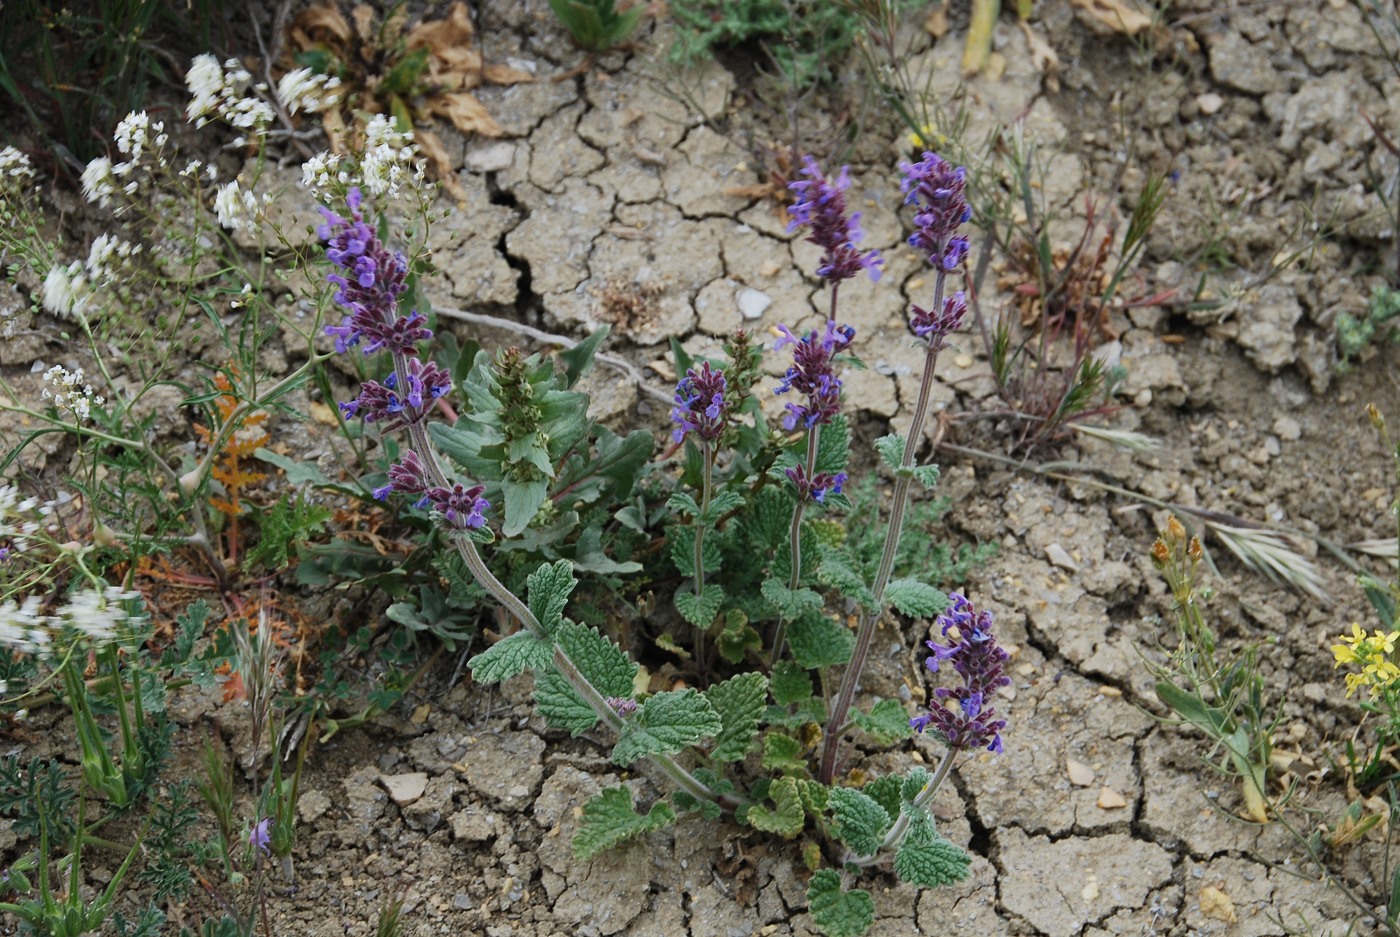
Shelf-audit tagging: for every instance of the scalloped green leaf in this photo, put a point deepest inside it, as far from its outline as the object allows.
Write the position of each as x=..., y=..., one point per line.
x=602, y=662
x=891, y=449
x=885, y=791
x=700, y=610
x=549, y=588
x=886, y=723
x=740, y=702
x=834, y=445
x=790, y=603
x=790, y=683
x=839, y=913
x=931, y=865
x=915, y=599
x=818, y=641
x=610, y=819
x=667, y=723
x=835, y=571
x=787, y=817
x=858, y=819
x=511, y=656
x=926, y=475
x=783, y=753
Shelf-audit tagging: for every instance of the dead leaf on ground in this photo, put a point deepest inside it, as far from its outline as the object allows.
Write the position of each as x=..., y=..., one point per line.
x=1115, y=15
x=937, y=22
x=506, y=75
x=465, y=112
x=1043, y=57
x=431, y=146
x=325, y=18
x=1215, y=903
x=363, y=15
x=438, y=35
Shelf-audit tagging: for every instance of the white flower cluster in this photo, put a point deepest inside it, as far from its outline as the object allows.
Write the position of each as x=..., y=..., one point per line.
x=17, y=523
x=15, y=172
x=304, y=90
x=221, y=91
x=106, y=256
x=136, y=137
x=389, y=162
x=95, y=614
x=68, y=392
x=236, y=208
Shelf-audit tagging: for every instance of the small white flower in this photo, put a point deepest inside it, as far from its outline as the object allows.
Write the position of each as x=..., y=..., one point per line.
x=235, y=208
x=68, y=392
x=303, y=89
x=15, y=172
x=66, y=291
x=22, y=628
x=218, y=91
x=106, y=256
x=132, y=133
x=98, y=182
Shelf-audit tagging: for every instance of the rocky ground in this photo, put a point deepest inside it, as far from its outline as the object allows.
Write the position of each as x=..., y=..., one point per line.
x=606, y=201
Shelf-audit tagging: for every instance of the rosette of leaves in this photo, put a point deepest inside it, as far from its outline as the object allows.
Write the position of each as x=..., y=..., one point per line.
x=596, y=25
x=413, y=74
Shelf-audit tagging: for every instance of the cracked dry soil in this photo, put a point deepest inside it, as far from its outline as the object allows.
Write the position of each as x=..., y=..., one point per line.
x=605, y=201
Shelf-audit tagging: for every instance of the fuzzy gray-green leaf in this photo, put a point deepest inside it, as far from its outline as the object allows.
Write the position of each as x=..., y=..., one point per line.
x=858, y=819
x=839, y=913
x=740, y=702
x=666, y=724
x=511, y=656
x=609, y=819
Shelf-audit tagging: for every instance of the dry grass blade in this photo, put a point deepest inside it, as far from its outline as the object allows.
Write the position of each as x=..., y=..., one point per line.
x=1138, y=442
x=1386, y=548
x=1270, y=553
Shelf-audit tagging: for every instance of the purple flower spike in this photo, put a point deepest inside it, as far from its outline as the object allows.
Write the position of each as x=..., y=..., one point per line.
x=821, y=206
x=937, y=325
x=818, y=486
x=811, y=374
x=623, y=707
x=460, y=506
x=368, y=282
x=964, y=715
x=383, y=403
x=936, y=189
x=700, y=405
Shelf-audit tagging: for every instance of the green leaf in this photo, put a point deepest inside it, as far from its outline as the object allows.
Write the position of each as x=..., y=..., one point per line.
x=1190, y=707
x=598, y=659
x=609, y=820
x=683, y=504
x=700, y=610
x=858, y=819
x=891, y=449
x=740, y=702
x=790, y=683
x=548, y=589
x=299, y=471
x=885, y=790
x=768, y=519
x=737, y=638
x=914, y=783
x=579, y=359
x=915, y=599
x=818, y=641
x=790, y=603
x=189, y=628
x=834, y=445
x=289, y=523
x=783, y=753
x=887, y=722
x=523, y=502
x=667, y=723
x=931, y=865
x=839, y=913
x=722, y=503
x=835, y=571
x=787, y=817
x=815, y=796
x=925, y=475
x=510, y=657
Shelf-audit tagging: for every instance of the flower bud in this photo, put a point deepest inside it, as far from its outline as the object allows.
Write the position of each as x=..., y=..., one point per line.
x=189, y=482
x=1175, y=530
x=1160, y=554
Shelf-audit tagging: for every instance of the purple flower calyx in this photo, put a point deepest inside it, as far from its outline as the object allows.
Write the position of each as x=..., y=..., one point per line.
x=461, y=507
x=964, y=714
x=383, y=403
x=821, y=206
x=700, y=405
x=936, y=325
x=818, y=486
x=812, y=375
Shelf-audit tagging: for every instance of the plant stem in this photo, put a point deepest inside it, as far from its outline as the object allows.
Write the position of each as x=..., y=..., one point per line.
x=901, y=823
x=795, y=541
x=866, y=632
x=707, y=461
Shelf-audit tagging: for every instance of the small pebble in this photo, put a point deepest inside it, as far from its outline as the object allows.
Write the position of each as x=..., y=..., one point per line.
x=404, y=789
x=1109, y=799
x=752, y=302
x=1209, y=103
x=1080, y=774
x=1058, y=557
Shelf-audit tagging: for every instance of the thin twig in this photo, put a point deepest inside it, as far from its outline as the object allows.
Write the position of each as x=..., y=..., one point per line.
x=549, y=338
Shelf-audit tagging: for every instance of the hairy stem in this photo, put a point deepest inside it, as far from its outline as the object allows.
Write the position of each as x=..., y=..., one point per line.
x=795, y=543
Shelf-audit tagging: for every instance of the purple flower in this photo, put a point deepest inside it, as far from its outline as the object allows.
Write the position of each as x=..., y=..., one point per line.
x=936, y=326
x=936, y=189
x=408, y=476
x=821, y=206
x=700, y=405
x=973, y=652
x=461, y=506
x=260, y=837
x=811, y=374
x=818, y=486
x=623, y=707
x=368, y=282
x=381, y=402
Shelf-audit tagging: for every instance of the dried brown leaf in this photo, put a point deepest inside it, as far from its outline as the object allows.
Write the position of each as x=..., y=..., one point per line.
x=465, y=112
x=334, y=126
x=325, y=19
x=1115, y=15
x=506, y=75
x=452, y=31
x=1043, y=57
x=937, y=21
x=363, y=16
